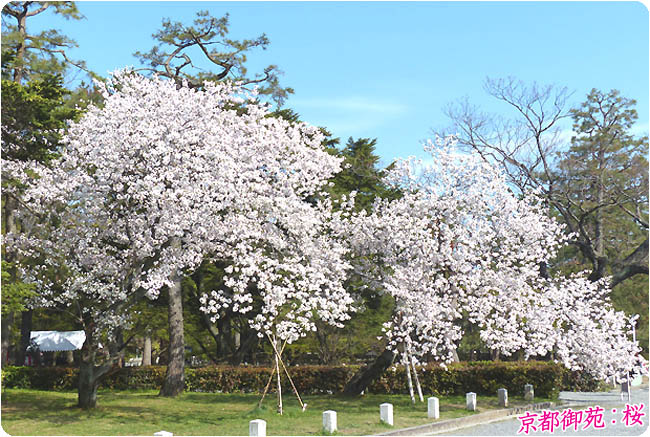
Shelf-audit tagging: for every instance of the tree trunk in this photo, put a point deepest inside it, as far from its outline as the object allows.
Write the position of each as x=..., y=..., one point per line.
x=25, y=336
x=7, y=321
x=600, y=261
x=87, y=396
x=146, y=353
x=599, y=269
x=633, y=264
x=20, y=50
x=367, y=375
x=89, y=374
x=248, y=344
x=117, y=350
x=9, y=257
x=175, y=377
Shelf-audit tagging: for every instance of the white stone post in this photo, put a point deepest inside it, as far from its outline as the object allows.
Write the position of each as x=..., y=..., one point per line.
x=163, y=434
x=386, y=413
x=329, y=421
x=529, y=392
x=471, y=401
x=257, y=428
x=433, y=408
x=503, y=397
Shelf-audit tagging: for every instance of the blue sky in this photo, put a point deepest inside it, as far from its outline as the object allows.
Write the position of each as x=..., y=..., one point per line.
x=385, y=70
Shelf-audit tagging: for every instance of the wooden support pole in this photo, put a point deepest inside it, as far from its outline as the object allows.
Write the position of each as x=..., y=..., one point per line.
x=268, y=384
x=295, y=390
x=407, y=367
x=417, y=380
x=277, y=369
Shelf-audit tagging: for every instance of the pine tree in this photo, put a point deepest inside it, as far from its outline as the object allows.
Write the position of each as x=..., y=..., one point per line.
x=33, y=95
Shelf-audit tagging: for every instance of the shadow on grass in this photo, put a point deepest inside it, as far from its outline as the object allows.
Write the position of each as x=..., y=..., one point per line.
x=138, y=412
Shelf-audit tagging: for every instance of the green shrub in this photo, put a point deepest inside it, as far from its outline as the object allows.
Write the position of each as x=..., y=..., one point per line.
x=139, y=378
x=481, y=377
x=40, y=378
x=580, y=381
x=16, y=377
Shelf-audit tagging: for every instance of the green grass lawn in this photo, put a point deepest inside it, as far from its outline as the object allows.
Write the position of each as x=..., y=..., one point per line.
x=34, y=412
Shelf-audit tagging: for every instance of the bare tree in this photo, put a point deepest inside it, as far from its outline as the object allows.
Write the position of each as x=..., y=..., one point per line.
x=594, y=177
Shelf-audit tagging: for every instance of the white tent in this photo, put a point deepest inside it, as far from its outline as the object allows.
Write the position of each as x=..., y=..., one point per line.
x=58, y=340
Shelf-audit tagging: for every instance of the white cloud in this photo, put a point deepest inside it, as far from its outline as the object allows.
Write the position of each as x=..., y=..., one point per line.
x=349, y=116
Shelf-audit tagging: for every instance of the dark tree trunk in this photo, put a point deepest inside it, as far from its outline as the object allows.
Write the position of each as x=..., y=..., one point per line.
x=88, y=383
x=599, y=269
x=367, y=375
x=634, y=264
x=25, y=334
x=223, y=331
x=7, y=321
x=119, y=352
x=175, y=377
x=89, y=373
x=543, y=270
x=249, y=341
x=9, y=256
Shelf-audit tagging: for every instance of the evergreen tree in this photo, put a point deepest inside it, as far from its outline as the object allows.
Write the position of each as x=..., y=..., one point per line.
x=603, y=181
x=172, y=56
x=358, y=339
x=29, y=55
x=32, y=115
x=361, y=174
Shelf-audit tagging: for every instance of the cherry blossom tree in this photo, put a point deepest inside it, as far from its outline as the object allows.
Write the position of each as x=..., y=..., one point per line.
x=298, y=271
x=459, y=241
x=161, y=177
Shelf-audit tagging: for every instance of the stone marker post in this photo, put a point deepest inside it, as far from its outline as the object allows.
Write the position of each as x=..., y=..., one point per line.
x=329, y=421
x=433, y=410
x=625, y=387
x=386, y=413
x=257, y=428
x=529, y=393
x=471, y=401
x=503, y=397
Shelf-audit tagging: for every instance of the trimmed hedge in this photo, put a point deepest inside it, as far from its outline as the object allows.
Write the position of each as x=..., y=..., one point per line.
x=482, y=377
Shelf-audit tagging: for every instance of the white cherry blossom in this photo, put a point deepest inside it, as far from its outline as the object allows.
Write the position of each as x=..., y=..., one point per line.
x=459, y=242
x=159, y=178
